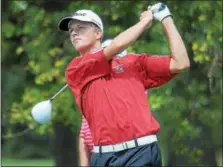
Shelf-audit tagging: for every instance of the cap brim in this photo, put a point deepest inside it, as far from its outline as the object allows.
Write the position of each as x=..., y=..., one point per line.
x=63, y=24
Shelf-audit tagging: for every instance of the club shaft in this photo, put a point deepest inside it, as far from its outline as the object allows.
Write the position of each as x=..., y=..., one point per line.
x=59, y=92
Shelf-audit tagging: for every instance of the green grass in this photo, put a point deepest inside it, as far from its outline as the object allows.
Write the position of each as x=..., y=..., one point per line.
x=26, y=162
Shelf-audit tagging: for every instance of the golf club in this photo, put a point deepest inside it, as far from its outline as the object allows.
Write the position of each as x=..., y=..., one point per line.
x=155, y=10
x=58, y=92
x=18, y=134
x=41, y=112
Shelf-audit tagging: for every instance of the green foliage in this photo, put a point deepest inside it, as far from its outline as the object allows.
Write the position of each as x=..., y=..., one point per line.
x=29, y=146
x=35, y=55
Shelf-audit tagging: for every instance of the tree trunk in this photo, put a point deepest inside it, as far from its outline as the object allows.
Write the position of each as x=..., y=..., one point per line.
x=65, y=146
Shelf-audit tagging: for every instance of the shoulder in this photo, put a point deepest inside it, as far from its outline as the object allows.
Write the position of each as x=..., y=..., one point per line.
x=136, y=56
x=132, y=57
x=88, y=57
x=74, y=62
x=129, y=57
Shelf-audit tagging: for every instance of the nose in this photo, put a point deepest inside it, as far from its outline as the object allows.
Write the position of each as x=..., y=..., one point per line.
x=73, y=36
x=73, y=33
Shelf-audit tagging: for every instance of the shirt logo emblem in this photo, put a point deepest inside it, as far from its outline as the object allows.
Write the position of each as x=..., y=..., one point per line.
x=119, y=69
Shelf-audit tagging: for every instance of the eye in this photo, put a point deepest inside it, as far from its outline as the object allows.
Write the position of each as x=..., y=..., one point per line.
x=81, y=27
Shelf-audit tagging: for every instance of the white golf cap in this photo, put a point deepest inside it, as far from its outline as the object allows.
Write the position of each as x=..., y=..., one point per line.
x=108, y=42
x=81, y=15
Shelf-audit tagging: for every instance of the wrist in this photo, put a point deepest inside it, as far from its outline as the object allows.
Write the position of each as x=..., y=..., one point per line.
x=167, y=20
x=145, y=24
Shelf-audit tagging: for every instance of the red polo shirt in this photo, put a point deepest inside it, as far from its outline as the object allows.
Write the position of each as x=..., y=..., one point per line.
x=111, y=94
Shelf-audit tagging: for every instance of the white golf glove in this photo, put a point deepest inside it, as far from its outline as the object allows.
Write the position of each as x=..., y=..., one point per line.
x=160, y=11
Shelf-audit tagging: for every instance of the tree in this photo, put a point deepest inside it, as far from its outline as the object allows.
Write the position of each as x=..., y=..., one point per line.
x=35, y=55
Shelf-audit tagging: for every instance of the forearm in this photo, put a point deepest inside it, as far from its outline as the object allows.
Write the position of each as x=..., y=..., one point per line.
x=177, y=47
x=84, y=155
x=125, y=39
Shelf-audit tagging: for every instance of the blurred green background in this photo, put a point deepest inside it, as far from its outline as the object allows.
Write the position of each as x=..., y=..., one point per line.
x=33, y=62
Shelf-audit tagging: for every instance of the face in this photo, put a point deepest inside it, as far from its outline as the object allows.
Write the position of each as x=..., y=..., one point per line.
x=83, y=35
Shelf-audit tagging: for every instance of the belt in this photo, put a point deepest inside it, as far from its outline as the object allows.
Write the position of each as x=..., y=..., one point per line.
x=125, y=145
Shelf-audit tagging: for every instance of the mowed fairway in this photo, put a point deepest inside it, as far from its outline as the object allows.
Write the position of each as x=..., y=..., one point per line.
x=28, y=162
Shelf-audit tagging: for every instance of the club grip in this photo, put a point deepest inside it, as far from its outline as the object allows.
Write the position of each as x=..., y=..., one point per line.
x=162, y=7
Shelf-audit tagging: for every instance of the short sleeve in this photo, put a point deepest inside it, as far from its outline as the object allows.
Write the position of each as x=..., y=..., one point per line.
x=155, y=69
x=84, y=69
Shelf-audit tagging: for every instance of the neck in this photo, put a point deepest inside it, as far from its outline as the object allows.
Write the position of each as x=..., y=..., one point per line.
x=93, y=48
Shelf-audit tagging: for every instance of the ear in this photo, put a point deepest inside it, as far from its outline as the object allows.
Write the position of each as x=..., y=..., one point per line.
x=98, y=35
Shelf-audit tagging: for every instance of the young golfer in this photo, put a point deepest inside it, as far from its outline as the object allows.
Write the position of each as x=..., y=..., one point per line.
x=111, y=92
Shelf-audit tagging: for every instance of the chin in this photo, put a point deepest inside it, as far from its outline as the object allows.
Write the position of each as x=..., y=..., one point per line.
x=80, y=48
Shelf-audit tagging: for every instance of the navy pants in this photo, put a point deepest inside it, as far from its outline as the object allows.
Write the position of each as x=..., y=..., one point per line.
x=146, y=155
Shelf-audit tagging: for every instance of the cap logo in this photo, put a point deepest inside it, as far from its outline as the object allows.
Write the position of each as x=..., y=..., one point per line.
x=80, y=14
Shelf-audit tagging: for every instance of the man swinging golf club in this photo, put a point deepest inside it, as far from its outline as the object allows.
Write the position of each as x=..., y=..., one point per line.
x=85, y=139
x=111, y=92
